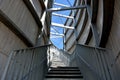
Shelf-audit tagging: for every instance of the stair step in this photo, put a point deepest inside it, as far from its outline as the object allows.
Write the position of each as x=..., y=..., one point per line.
x=64, y=72
x=63, y=79
x=66, y=67
x=64, y=76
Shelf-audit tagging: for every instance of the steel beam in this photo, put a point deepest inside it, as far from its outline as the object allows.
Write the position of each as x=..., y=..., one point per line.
x=56, y=37
x=58, y=34
x=62, y=5
x=61, y=25
x=67, y=8
x=61, y=15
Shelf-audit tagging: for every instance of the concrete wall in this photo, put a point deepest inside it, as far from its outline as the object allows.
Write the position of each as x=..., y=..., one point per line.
x=87, y=19
x=8, y=42
x=21, y=16
x=37, y=7
x=114, y=37
x=113, y=42
x=17, y=12
x=99, y=21
x=83, y=37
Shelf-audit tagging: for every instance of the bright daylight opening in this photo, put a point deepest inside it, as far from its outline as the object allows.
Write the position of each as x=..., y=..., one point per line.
x=58, y=22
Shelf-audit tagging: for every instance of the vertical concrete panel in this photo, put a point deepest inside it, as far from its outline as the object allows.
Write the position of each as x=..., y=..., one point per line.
x=114, y=39
x=99, y=22
x=85, y=33
x=37, y=7
x=17, y=11
x=92, y=42
x=8, y=40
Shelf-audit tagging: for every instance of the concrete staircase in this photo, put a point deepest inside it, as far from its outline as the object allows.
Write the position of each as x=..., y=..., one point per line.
x=64, y=73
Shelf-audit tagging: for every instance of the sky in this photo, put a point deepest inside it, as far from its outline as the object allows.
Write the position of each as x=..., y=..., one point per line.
x=58, y=42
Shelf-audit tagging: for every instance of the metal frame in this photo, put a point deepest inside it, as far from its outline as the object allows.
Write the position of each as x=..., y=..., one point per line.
x=66, y=8
x=61, y=15
x=61, y=25
x=62, y=5
x=57, y=34
x=56, y=37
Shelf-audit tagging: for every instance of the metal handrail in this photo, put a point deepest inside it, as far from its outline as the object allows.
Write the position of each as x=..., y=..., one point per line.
x=107, y=66
x=72, y=56
x=89, y=66
x=30, y=70
x=7, y=66
x=33, y=47
x=100, y=48
x=34, y=68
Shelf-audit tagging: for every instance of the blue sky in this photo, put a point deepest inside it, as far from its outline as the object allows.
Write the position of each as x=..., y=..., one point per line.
x=58, y=42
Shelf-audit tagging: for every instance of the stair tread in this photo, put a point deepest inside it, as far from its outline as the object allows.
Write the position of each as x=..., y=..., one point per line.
x=64, y=76
x=64, y=72
x=66, y=67
x=64, y=79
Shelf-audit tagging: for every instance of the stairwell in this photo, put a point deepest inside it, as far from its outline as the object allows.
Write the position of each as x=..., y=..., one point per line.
x=59, y=70
x=33, y=63
x=64, y=73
